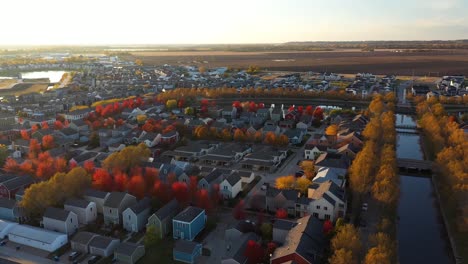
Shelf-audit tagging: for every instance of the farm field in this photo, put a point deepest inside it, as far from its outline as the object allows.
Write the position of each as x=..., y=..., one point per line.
x=422, y=63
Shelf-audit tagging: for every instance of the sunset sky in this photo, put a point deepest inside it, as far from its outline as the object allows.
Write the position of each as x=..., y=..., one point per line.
x=90, y=22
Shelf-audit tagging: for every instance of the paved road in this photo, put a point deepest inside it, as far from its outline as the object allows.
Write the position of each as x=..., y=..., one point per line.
x=21, y=256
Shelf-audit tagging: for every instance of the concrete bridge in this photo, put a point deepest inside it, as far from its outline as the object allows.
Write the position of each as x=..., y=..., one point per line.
x=414, y=165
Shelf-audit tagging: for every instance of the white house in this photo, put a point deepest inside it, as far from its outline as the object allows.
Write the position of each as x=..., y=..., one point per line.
x=246, y=176
x=37, y=237
x=231, y=186
x=115, y=204
x=60, y=220
x=327, y=201
x=313, y=151
x=135, y=217
x=85, y=210
x=98, y=197
x=103, y=246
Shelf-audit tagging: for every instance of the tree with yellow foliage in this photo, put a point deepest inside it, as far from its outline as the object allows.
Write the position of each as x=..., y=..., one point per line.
x=332, y=130
x=128, y=158
x=342, y=256
x=302, y=184
x=285, y=182
x=309, y=168
x=348, y=239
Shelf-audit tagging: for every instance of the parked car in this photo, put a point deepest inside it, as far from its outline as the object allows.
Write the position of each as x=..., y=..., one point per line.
x=264, y=187
x=74, y=255
x=93, y=259
x=299, y=174
x=364, y=206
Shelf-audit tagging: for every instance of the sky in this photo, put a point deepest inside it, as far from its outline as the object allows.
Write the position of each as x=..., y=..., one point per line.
x=96, y=22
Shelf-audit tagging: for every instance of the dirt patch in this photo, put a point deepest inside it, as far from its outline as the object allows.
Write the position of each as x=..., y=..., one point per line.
x=433, y=63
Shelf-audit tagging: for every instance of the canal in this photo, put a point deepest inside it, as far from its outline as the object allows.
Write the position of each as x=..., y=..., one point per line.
x=421, y=234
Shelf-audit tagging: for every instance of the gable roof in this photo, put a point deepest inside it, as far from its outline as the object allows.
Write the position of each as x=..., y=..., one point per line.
x=101, y=242
x=96, y=193
x=142, y=205
x=233, y=178
x=81, y=203
x=83, y=237
x=188, y=214
x=17, y=182
x=167, y=209
x=56, y=213
x=115, y=199
x=127, y=248
x=185, y=246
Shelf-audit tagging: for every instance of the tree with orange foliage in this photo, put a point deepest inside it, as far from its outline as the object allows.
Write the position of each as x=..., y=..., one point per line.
x=58, y=125
x=181, y=193
x=48, y=142
x=45, y=166
x=44, y=125
x=11, y=165
x=102, y=180
x=270, y=138
x=61, y=165
x=120, y=181
x=239, y=135
x=137, y=186
x=27, y=167
x=89, y=166
x=25, y=135
x=34, y=148
x=151, y=175
x=282, y=140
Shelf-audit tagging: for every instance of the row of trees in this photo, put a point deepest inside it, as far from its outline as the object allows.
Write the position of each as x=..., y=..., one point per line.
x=447, y=142
x=224, y=92
x=291, y=182
x=240, y=135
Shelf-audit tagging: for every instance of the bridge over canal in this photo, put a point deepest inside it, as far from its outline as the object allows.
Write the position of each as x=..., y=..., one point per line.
x=414, y=165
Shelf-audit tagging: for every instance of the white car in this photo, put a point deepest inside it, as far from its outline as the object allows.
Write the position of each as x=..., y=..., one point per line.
x=364, y=206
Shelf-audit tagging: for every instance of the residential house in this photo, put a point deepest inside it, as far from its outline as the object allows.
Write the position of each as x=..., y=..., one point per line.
x=330, y=174
x=85, y=210
x=96, y=196
x=35, y=237
x=170, y=138
x=271, y=128
x=246, y=176
x=103, y=246
x=83, y=157
x=231, y=186
x=115, y=204
x=79, y=125
x=277, y=114
x=136, y=216
x=81, y=240
x=215, y=177
x=326, y=201
x=311, y=151
x=305, y=243
x=186, y=251
x=79, y=114
x=281, y=230
x=348, y=150
x=264, y=159
x=330, y=160
x=10, y=187
x=281, y=199
x=60, y=220
x=68, y=133
x=232, y=235
x=295, y=136
x=188, y=223
x=161, y=220
x=9, y=210
x=235, y=251
x=128, y=252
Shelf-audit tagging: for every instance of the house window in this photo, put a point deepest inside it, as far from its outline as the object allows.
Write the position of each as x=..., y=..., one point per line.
x=327, y=217
x=128, y=217
x=315, y=215
x=318, y=206
x=325, y=208
x=71, y=220
x=225, y=187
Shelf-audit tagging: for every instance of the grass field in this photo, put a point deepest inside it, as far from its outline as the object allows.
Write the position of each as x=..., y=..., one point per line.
x=434, y=62
x=24, y=88
x=6, y=83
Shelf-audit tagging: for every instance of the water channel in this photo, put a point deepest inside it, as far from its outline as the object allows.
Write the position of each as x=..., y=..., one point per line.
x=421, y=234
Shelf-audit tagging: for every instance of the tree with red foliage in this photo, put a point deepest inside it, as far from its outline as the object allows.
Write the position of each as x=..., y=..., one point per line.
x=34, y=148
x=193, y=187
x=261, y=105
x=291, y=108
x=137, y=186
x=25, y=135
x=27, y=167
x=236, y=104
x=253, y=107
x=151, y=176
x=60, y=165
x=215, y=195
x=58, y=125
x=253, y=252
x=89, y=166
x=120, y=181
x=239, y=211
x=102, y=180
x=300, y=109
x=119, y=122
x=162, y=191
x=60, y=118
x=171, y=178
x=318, y=113
x=45, y=167
x=147, y=127
x=72, y=164
x=181, y=103
x=281, y=214
x=11, y=165
x=309, y=110
x=48, y=142
x=139, y=102
x=180, y=191
x=44, y=125
x=203, y=200
x=327, y=227
x=271, y=247
x=99, y=109
x=116, y=107
x=34, y=128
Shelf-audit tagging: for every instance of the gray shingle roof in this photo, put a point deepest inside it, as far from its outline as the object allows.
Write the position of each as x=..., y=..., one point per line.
x=185, y=246
x=167, y=209
x=114, y=199
x=96, y=193
x=7, y=203
x=127, y=248
x=101, y=242
x=56, y=213
x=83, y=237
x=77, y=203
x=188, y=214
x=284, y=224
x=141, y=205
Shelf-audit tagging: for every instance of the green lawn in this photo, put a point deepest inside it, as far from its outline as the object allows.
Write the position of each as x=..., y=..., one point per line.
x=161, y=253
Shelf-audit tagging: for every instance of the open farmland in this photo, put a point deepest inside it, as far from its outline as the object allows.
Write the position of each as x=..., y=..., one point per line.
x=433, y=62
